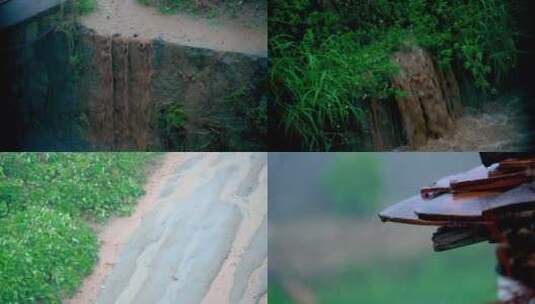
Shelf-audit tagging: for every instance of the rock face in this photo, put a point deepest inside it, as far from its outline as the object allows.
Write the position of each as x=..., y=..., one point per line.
x=129, y=84
x=431, y=98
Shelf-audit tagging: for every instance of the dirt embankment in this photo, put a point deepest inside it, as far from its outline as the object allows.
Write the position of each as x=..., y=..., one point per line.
x=172, y=82
x=199, y=235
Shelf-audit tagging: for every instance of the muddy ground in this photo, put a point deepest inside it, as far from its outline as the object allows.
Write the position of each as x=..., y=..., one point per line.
x=245, y=33
x=199, y=235
x=495, y=128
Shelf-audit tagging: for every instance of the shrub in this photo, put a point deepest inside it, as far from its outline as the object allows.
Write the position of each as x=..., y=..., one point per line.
x=93, y=184
x=46, y=248
x=44, y=255
x=329, y=58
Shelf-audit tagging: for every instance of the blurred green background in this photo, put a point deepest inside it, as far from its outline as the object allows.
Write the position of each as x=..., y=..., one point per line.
x=326, y=244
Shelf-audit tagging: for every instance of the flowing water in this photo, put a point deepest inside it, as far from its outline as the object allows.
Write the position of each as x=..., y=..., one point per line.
x=198, y=236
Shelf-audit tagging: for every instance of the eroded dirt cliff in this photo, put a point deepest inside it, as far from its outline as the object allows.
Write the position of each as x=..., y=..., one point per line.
x=130, y=84
x=427, y=94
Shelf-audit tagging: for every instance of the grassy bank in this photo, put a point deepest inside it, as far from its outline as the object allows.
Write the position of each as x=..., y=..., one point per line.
x=46, y=202
x=331, y=58
x=463, y=275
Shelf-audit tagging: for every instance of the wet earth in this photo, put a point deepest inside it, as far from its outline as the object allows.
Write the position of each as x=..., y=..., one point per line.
x=244, y=33
x=495, y=128
x=199, y=235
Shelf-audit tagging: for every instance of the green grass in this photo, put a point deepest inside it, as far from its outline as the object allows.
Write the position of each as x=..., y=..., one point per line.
x=46, y=200
x=84, y=7
x=276, y=294
x=461, y=276
x=44, y=254
x=171, y=121
x=330, y=60
x=206, y=8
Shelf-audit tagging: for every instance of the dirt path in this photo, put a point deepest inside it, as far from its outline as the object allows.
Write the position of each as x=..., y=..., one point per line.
x=244, y=34
x=199, y=235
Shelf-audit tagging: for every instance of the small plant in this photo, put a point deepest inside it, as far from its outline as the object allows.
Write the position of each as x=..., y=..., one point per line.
x=44, y=255
x=84, y=7
x=171, y=123
x=244, y=103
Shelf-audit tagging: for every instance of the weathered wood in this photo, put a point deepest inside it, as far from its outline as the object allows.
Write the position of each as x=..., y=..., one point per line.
x=471, y=196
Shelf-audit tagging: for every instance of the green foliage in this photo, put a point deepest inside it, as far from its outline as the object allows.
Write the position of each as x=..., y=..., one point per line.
x=44, y=255
x=330, y=58
x=94, y=184
x=45, y=247
x=355, y=193
x=244, y=103
x=171, y=120
x=328, y=90
x=463, y=275
x=84, y=7
x=67, y=22
x=276, y=293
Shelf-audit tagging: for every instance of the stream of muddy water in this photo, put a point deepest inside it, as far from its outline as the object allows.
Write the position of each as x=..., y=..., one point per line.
x=199, y=235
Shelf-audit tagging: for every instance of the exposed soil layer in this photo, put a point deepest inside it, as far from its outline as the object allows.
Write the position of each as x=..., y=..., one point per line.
x=128, y=83
x=424, y=106
x=117, y=90
x=245, y=33
x=198, y=236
